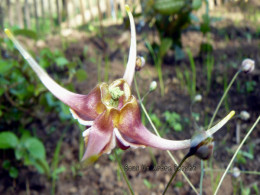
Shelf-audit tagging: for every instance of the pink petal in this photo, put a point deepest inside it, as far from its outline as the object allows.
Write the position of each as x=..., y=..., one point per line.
x=131, y=126
x=82, y=104
x=125, y=142
x=100, y=137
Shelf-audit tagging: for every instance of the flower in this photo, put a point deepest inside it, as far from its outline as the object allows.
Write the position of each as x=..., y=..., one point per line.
x=110, y=112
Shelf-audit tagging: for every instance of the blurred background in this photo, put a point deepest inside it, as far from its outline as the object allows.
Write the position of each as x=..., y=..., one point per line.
x=191, y=47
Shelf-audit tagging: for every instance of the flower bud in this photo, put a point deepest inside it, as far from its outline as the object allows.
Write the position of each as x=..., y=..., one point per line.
x=248, y=65
x=244, y=115
x=198, y=98
x=201, y=145
x=140, y=62
x=236, y=172
x=153, y=86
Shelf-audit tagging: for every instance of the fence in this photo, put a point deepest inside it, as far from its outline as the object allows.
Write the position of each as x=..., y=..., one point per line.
x=44, y=15
x=40, y=14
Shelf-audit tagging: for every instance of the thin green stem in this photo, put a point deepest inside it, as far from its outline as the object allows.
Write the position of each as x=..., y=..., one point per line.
x=174, y=174
x=235, y=154
x=158, y=65
x=157, y=133
x=241, y=171
x=222, y=98
x=217, y=109
x=123, y=173
x=201, y=175
x=99, y=69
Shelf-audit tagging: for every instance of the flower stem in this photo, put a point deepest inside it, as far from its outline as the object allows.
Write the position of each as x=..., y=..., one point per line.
x=157, y=133
x=123, y=172
x=174, y=174
x=235, y=154
x=223, y=97
x=201, y=175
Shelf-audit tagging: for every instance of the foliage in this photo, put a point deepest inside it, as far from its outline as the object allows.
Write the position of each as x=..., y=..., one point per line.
x=173, y=119
x=170, y=18
x=28, y=149
x=22, y=96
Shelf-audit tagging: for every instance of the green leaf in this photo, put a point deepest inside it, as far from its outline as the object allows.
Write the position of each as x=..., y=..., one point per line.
x=8, y=140
x=42, y=166
x=177, y=127
x=6, y=164
x=166, y=44
x=13, y=172
x=35, y=148
x=19, y=153
x=196, y=4
x=27, y=33
x=147, y=184
x=168, y=6
x=2, y=90
x=81, y=75
x=5, y=66
x=178, y=184
x=61, y=61
x=179, y=54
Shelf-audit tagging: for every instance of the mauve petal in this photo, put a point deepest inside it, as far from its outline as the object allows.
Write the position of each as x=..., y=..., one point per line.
x=99, y=136
x=130, y=125
x=125, y=142
x=82, y=104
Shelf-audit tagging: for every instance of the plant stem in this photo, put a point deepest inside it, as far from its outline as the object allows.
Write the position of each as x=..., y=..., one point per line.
x=235, y=154
x=123, y=173
x=174, y=174
x=222, y=98
x=201, y=175
x=241, y=171
x=158, y=65
x=157, y=133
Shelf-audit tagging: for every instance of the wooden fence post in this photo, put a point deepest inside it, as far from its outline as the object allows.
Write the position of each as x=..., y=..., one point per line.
x=67, y=12
x=58, y=12
x=108, y=9
x=115, y=5
x=82, y=10
x=10, y=13
x=100, y=18
x=19, y=15
x=1, y=16
x=90, y=10
x=36, y=15
x=122, y=7
x=42, y=15
x=50, y=14
x=27, y=14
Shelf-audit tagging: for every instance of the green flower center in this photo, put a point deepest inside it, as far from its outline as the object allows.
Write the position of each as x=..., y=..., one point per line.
x=115, y=93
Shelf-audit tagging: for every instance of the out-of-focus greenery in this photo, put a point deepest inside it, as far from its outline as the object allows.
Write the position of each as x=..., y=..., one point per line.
x=23, y=98
x=170, y=17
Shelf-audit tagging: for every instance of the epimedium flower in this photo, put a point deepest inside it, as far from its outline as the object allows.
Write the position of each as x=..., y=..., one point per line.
x=110, y=112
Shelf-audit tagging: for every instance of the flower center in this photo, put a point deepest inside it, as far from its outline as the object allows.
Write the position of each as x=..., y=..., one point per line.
x=115, y=93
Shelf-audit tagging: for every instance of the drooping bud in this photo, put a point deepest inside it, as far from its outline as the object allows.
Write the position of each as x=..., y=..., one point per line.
x=198, y=98
x=236, y=172
x=140, y=62
x=153, y=86
x=248, y=65
x=201, y=145
x=244, y=115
